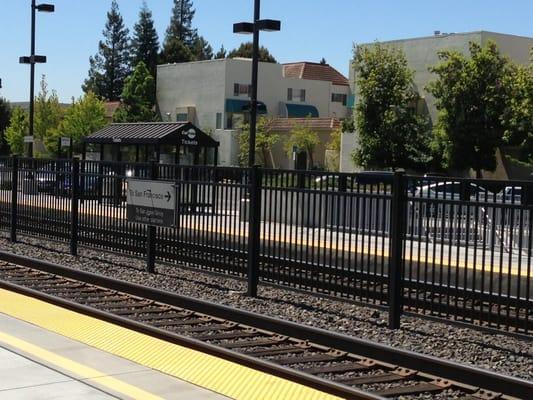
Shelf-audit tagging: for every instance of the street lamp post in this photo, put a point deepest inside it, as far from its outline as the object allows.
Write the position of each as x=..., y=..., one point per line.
x=254, y=28
x=34, y=59
x=254, y=194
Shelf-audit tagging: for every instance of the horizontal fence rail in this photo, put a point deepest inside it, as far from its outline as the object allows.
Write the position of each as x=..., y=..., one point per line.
x=449, y=247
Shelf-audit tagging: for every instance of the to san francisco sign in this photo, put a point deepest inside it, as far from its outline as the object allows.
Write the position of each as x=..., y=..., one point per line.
x=151, y=202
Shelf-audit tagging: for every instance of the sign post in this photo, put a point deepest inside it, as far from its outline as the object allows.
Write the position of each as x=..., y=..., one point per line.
x=152, y=203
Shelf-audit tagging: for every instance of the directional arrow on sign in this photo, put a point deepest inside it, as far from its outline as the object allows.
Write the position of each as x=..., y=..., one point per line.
x=168, y=196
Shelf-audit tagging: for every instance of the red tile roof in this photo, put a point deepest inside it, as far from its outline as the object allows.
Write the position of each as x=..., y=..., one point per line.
x=314, y=71
x=110, y=108
x=319, y=124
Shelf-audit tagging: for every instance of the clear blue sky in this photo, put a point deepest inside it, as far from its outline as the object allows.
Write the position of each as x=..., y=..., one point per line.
x=311, y=29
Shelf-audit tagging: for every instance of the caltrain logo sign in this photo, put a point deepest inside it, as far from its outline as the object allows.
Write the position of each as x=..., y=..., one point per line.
x=189, y=137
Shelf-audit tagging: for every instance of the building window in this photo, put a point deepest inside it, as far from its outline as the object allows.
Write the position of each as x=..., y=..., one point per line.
x=339, y=98
x=182, y=117
x=289, y=94
x=240, y=89
x=296, y=95
x=218, y=124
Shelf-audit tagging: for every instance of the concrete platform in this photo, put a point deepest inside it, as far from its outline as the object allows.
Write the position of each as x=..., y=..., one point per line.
x=39, y=364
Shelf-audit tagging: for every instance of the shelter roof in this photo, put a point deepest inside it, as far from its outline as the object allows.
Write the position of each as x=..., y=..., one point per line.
x=184, y=134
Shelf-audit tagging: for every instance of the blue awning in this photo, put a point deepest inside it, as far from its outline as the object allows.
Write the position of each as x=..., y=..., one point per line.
x=240, y=106
x=301, y=111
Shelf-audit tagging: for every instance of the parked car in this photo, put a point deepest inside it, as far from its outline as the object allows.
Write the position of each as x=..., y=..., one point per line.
x=452, y=191
x=512, y=194
x=50, y=178
x=436, y=194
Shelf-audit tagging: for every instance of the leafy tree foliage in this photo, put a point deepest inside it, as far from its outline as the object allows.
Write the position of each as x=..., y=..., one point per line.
x=202, y=49
x=85, y=116
x=110, y=67
x=16, y=130
x=48, y=115
x=246, y=50
x=175, y=51
x=181, y=22
x=145, y=42
x=391, y=134
x=265, y=139
x=5, y=116
x=138, y=97
x=221, y=53
x=180, y=37
x=304, y=139
x=471, y=97
x=518, y=115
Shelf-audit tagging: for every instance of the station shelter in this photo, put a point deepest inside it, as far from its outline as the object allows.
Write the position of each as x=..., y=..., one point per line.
x=163, y=142
x=177, y=144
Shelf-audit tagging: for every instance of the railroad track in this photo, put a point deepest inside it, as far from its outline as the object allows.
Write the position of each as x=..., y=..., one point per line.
x=338, y=364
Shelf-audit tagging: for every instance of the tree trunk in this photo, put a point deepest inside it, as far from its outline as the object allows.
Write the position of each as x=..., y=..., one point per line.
x=311, y=161
x=272, y=158
x=479, y=175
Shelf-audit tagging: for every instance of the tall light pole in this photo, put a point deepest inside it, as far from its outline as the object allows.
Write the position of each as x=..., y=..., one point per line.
x=254, y=28
x=34, y=59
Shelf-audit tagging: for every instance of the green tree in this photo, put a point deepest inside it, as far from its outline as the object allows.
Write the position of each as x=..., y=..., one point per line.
x=16, y=130
x=303, y=139
x=5, y=116
x=138, y=97
x=517, y=118
x=48, y=115
x=221, y=53
x=145, y=42
x=85, y=116
x=390, y=133
x=110, y=67
x=471, y=97
x=202, y=49
x=246, y=50
x=180, y=36
x=175, y=51
x=265, y=139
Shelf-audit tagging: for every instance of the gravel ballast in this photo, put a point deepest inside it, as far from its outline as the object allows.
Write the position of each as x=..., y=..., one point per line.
x=497, y=352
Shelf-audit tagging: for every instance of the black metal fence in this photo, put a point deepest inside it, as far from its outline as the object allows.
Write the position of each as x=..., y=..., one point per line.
x=449, y=247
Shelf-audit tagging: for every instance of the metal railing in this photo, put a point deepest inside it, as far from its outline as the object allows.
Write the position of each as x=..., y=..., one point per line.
x=448, y=247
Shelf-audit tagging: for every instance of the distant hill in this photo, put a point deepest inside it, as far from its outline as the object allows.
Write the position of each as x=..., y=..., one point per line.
x=25, y=105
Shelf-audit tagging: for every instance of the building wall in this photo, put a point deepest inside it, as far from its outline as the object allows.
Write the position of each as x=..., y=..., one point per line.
x=206, y=85
x=198, y=84
x=284, y=161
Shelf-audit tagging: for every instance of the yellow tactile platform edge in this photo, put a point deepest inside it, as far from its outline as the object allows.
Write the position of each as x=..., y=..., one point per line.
x=215, y=374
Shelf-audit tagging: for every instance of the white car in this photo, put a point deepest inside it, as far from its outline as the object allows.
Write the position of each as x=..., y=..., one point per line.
x=451, y=191
x=512, y=194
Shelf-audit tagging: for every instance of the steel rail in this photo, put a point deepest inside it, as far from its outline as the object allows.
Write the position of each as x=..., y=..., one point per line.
x=475, y=377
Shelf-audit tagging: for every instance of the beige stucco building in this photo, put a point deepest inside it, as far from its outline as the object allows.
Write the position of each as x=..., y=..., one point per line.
x=215, y=96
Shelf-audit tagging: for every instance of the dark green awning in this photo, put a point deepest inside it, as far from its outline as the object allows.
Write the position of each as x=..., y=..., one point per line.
x=240, y=106
x=351, y=101
x=301, y=111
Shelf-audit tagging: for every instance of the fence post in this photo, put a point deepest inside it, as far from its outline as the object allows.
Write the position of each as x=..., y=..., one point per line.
x=14, y=197
x=151, y=230
x=254, y=229
x=75, y=196
x=396, y=250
